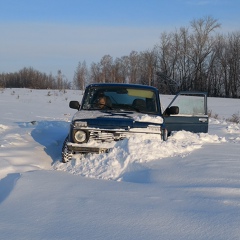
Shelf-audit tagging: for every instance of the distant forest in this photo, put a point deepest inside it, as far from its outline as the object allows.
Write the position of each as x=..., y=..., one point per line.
x=194, y=58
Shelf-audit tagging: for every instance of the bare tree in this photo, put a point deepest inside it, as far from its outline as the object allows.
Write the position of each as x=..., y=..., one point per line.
x=147, y=67
x=80, y=76
x=133, y=67
x=234, y=64
x=106, y=64
x=95, y=73
x=121, y=69
x=202, y=46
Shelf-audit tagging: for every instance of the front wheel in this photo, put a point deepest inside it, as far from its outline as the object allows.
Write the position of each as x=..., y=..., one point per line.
x=164, y=134
x=66, y=153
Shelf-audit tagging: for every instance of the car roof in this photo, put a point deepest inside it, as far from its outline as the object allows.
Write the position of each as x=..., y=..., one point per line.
x=127, y=85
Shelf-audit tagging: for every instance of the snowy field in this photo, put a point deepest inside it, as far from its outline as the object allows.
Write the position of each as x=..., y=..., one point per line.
x=185, y=188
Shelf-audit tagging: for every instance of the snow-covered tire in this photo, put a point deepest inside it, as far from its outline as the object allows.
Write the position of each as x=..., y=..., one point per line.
x=164, y=134
x=66, y=153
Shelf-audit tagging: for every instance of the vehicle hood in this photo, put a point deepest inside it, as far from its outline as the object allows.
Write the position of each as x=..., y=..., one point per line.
x=117, y=119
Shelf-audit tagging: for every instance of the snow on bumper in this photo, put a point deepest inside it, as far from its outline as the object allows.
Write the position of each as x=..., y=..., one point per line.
x=87, y=149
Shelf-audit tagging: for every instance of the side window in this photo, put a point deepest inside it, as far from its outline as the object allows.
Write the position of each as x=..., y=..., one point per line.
x=190, y=104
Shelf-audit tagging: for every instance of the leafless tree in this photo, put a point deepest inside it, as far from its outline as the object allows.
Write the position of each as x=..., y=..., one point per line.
x=147, y=67
x=106, y=64
x=121, y=69
x=95, y=73
x=133, y=67
x=80, y=76
x=201, y=45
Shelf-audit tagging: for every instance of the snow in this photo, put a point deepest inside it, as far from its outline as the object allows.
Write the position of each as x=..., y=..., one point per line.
x=185, y=188
x=148, y=118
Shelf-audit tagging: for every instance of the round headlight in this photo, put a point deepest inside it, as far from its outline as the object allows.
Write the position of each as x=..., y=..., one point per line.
x=80, y=136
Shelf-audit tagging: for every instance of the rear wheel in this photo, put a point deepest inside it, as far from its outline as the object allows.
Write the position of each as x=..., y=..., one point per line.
x=66, y=153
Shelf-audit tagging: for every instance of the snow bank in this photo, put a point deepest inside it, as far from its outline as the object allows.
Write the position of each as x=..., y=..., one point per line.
x=135, y=151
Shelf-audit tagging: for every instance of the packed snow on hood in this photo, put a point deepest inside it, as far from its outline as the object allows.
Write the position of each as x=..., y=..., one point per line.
x=144, y=188
x=136, y=116
x=148, y=118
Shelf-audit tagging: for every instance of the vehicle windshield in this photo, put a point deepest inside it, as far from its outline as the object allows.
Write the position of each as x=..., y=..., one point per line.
x=120, y=98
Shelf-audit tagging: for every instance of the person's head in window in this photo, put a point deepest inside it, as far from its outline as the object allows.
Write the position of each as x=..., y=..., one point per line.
x=102, y=101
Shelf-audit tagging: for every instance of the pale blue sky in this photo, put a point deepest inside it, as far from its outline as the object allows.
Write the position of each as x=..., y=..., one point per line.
x=49, y=35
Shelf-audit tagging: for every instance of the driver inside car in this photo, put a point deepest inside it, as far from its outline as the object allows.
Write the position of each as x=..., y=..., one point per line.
x=102, y=101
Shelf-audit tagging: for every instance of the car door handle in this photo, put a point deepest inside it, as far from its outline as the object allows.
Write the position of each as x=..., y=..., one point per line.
x=202, y=119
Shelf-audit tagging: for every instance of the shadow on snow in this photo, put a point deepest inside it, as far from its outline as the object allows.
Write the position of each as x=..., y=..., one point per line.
x=7, y=185
x=50, y=134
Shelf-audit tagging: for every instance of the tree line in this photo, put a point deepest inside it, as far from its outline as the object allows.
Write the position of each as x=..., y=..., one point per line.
x=31, y=78
x=193, y=58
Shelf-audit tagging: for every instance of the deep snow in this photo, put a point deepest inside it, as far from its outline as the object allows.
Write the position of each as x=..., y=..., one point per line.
x=185, y=188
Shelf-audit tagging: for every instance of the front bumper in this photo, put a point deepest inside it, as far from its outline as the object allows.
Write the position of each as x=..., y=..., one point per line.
x=85, y=149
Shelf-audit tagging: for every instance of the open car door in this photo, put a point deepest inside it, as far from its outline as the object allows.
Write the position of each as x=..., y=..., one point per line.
x=187, y=111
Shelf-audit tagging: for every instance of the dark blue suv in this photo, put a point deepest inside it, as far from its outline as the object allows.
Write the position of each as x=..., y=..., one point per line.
x=111, y=112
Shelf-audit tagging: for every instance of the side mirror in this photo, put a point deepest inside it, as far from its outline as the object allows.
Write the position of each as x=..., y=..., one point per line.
x=74, y=105
x=172, y=110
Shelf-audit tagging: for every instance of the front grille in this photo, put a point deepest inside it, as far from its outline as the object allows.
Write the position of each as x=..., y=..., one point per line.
x=105, y=136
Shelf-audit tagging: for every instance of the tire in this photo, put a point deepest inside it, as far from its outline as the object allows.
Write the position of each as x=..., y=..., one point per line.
x=66, y=153
x=164, y=134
